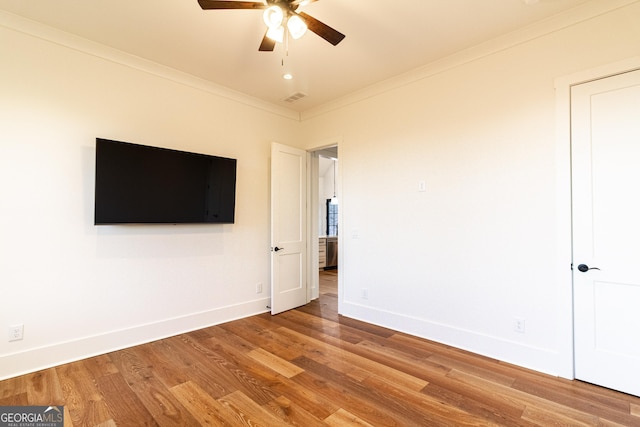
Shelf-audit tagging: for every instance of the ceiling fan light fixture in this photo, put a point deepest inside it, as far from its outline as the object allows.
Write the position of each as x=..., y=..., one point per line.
x=297, y=27
x=282, y=20
x=276, y=33
x=273, y=16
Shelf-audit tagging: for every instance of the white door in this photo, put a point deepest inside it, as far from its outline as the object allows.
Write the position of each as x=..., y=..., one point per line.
x=605, y=143
x=288, y=228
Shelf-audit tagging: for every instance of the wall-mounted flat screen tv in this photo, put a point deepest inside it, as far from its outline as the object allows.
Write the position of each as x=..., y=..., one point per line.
x=139, y=184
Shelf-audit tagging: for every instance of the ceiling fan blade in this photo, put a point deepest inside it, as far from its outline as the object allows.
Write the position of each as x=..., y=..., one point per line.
x=323, y=30
x=217, y=4
x=267, y=45
x=299, y=3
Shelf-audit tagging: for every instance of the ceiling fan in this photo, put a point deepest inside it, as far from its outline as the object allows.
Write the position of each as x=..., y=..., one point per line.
x=277, y=15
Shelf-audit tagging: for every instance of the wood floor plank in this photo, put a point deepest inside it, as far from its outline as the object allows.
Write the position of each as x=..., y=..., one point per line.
x=312, y=367
x=124, y=405
x=152, y=392
x=566, y=394
x=43, y=388
x=100, y=366
x=230, y=339
x=417, y=367
x=68, y=421
x=542, y=417
x=472, y=369
x=310, y=321
x=84, y=401
x=427, y=410
x=223, y=370
x=401, y=407
x=342, y=418
x=300, y=322
x=354, y=365
x=312, y=401
x=248, y=411
x=341, y=328
x=368, y=328
x=202, y=406
x=342, y=398
x=108, y=423
x=413, y=345
x=170, y=368
x=16, y=399
x=169, y=351
x=334, y=357
x=501, y=412
x=292, y=414
x=260, y=333
x=554, y=413
x=274, y=362
x=14, y=386
x=307, y=399
x=606, y=423
x=610, y=405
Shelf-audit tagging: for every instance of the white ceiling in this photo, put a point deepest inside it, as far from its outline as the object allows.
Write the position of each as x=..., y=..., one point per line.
x=383, y=38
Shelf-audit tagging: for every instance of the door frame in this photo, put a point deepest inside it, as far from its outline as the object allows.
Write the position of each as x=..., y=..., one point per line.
x=313, y=289
x=563, y=273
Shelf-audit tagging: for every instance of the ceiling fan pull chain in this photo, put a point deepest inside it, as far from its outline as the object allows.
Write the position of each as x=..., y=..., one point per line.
x=286, y=40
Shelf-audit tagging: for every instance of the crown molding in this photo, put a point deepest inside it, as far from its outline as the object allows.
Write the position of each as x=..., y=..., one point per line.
x=70, y=41
x=555, y=23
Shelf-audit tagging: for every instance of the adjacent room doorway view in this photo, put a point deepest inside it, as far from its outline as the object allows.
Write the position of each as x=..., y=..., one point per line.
x=605, y=145
x=296, y=228
x=327, y=208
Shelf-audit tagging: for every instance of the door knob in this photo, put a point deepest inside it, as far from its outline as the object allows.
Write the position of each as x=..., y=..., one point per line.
x=584, y=268
x=277, y=249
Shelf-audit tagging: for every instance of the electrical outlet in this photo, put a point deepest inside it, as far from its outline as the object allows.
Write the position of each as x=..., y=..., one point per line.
x=518, y=325
x=365, y=293
x=258, y=288
x=16, y=332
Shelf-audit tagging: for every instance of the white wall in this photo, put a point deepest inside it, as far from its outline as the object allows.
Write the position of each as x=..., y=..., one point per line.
x=459, y=262
x=81, y=289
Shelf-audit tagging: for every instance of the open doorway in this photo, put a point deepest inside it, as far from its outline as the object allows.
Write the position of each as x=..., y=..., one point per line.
x=296, y=198
x=324, y=219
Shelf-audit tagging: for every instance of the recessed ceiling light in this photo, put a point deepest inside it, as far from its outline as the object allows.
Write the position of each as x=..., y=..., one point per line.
x=287, y=76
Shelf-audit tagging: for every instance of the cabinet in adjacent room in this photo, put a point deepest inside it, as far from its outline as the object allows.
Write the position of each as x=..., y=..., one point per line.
x=322, y=252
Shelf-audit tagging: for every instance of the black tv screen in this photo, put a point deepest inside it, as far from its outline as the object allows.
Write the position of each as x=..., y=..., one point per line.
x=151, y=185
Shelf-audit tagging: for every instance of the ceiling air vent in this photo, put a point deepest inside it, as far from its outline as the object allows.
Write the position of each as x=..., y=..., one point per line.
x=296, y=96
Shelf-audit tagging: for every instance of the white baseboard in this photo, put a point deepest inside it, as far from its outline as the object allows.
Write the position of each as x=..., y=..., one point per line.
x=538, y=359
x=35, y=359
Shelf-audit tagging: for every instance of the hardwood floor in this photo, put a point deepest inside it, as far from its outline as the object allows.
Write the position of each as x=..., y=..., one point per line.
x=311, y=367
